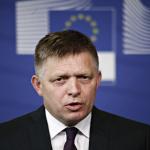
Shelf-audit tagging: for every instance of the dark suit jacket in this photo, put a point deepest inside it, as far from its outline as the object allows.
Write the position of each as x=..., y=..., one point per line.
x=108, y=132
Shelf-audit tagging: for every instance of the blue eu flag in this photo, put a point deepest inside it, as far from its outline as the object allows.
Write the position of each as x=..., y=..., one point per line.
x=97, y=24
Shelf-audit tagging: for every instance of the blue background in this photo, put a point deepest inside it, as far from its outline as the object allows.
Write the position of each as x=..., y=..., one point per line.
x=129, y=97
x=104, y=38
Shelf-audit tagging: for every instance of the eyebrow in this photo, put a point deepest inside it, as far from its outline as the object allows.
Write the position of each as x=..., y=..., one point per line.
x=74, y=74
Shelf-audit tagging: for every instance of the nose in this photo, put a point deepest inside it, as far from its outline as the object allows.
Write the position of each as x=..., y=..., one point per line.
x=74, y=87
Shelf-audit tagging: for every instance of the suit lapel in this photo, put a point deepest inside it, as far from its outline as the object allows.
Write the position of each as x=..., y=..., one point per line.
x=40, y=139
x=39, y=131
x=99, y=133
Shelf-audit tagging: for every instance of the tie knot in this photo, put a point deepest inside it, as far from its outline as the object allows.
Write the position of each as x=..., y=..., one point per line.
x=71, y=132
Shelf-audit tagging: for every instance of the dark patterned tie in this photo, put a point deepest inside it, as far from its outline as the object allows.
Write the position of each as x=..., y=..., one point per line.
x=70, y=133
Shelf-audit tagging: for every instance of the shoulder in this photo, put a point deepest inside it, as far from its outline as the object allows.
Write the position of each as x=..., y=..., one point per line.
x=118, y=123
x=123, y=133
x=25, y=132
x=20, y=124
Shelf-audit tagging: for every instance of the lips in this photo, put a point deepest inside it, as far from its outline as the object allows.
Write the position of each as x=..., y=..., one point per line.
x=75, y=106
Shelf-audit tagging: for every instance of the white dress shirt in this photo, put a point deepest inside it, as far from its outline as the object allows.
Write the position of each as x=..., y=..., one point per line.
x=58, y=136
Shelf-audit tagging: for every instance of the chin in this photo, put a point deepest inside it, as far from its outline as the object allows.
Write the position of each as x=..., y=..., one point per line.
x=74, y=119
x=72, y=122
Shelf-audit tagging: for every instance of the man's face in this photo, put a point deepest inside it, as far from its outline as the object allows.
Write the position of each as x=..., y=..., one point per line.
x=68, y=86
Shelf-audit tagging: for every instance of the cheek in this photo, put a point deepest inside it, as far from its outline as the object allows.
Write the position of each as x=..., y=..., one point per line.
x=52, y=101
x=54, y=95
x=89, y=92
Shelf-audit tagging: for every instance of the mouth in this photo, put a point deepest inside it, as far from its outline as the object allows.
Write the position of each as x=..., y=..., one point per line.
x=75, y=106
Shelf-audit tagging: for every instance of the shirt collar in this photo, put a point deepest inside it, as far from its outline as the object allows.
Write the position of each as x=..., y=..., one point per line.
x=55, y=126
x=84, y=125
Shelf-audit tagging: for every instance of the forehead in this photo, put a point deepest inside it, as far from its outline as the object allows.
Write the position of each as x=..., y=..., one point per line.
x=70, y=64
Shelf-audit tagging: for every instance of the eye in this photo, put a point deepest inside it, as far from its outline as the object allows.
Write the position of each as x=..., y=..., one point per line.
x=84, y=78
x=60, y=80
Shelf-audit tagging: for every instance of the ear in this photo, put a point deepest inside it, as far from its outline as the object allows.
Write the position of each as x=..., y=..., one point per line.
x=36, y=84
x=99, y=78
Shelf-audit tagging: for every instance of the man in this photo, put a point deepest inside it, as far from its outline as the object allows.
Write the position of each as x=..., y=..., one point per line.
x=67, y=77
